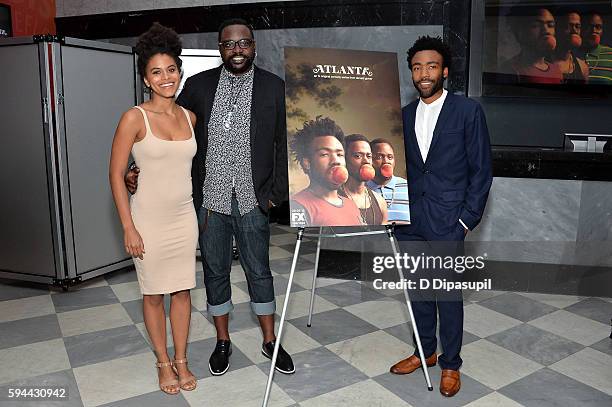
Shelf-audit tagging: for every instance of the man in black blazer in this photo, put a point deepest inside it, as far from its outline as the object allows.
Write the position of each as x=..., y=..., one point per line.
x=238, y=173
x=448, y=158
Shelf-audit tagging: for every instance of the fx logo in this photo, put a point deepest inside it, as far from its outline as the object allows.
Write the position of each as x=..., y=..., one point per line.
x=297, y=217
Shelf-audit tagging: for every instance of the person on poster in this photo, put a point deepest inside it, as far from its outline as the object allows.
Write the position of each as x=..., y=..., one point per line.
x=372, y=206
x=239, y=173
x=393, y=188
x=448, y=156
x=598, y=56
x=319, y=151
x=534, y=29
x=574, y=69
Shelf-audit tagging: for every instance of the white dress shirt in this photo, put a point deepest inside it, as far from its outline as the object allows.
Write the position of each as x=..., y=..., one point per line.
x=425, y=123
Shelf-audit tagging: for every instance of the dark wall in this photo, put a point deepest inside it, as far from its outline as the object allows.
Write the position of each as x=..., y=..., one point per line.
x=452, y=15
x=512, y=121
x=533, y=122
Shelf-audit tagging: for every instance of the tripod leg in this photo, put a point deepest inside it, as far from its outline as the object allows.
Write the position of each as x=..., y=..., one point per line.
x=414, y=325
x=282, y=320
x=314, y=279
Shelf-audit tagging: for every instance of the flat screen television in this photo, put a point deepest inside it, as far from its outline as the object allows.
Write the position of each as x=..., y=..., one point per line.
x=5, y=21
x=542, y=68
x=541, y=48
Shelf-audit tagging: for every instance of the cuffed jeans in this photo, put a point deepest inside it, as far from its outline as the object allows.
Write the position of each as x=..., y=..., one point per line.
x=252, y=232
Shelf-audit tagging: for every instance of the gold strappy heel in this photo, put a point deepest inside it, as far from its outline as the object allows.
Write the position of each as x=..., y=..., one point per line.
x=165, y=386
x=184, y=382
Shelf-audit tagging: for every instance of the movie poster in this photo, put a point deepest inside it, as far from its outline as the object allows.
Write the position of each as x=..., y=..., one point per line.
x=347, y=164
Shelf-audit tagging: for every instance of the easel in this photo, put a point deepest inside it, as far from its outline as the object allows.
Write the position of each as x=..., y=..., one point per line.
x=389, y=230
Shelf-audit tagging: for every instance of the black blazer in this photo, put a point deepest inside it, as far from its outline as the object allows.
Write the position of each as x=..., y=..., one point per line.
x=268, y=132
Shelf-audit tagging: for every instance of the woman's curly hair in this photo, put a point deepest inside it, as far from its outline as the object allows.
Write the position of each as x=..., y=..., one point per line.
x=158, y=40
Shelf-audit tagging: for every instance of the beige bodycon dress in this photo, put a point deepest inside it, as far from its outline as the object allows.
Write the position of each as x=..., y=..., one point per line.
x=163, y=212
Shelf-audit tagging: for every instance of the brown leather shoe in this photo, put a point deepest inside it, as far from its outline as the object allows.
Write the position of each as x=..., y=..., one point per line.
x=411, y=364
x=450, y=383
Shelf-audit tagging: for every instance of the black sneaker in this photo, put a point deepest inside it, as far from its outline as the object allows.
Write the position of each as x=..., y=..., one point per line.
x=284, y=364
x=219, y=360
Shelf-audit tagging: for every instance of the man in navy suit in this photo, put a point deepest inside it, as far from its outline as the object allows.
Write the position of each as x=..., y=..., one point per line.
x=449, y=177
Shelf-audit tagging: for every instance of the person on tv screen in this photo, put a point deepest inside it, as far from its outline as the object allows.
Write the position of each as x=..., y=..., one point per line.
x=392, y=187
x=372, y=206
x=598, y=56
x=534, y=29
x=318, y=148
x=574, y=69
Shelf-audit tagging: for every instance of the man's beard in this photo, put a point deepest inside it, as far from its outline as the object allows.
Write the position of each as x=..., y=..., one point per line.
x=353, y=173
x=546, y=43
x=436, y=85
x=248, y=62
x=325, y=179
x=361, y=174
x=569, y=42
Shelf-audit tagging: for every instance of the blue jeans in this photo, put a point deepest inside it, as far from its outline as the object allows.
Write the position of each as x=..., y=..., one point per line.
x=252, y=232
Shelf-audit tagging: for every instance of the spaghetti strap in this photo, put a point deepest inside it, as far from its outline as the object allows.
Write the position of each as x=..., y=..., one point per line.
x=188, y=119
x=146, y=119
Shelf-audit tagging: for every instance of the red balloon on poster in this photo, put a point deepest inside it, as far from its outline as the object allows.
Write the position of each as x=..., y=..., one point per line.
x=576, y=40
x=338, y=174
x=386, y=170
x=366, y=172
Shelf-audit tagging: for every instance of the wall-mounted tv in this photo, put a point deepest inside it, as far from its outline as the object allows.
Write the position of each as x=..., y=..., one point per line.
x=547, y=48
x=542, y=69
x=5, y=21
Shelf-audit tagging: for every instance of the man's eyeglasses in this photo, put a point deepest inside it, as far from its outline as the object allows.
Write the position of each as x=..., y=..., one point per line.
x=231, y=44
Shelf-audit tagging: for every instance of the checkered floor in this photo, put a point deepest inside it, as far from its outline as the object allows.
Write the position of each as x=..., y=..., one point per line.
x=519, y=349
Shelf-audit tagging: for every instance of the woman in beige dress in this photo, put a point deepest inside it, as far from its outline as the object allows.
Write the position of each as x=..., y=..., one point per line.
x=159, y=222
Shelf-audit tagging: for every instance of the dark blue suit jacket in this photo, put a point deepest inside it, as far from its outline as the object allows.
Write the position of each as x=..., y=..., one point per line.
x=454, y=181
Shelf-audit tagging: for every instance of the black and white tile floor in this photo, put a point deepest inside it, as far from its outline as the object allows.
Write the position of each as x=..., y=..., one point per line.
x=519, y=348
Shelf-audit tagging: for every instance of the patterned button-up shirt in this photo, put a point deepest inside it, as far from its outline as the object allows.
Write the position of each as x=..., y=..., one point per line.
x=228, y=159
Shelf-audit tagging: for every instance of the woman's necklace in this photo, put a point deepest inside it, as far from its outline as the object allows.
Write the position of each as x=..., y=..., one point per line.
x=162, y=112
